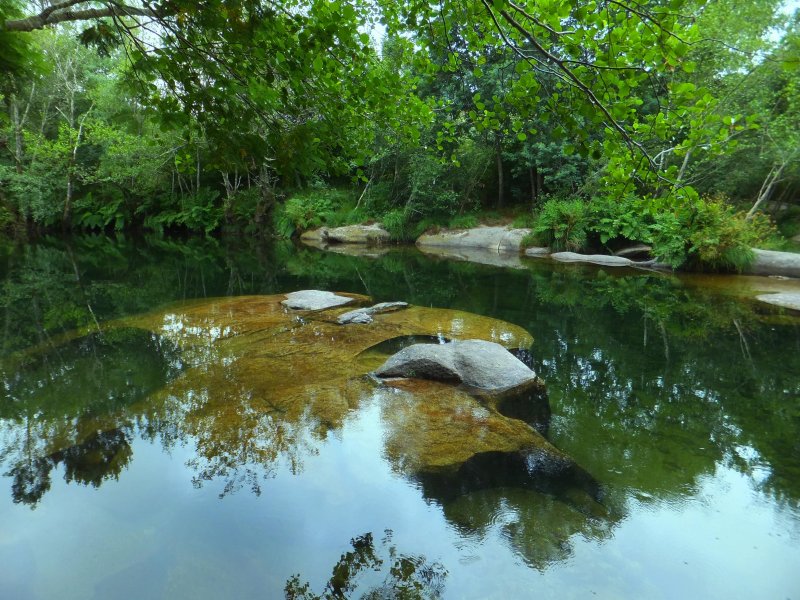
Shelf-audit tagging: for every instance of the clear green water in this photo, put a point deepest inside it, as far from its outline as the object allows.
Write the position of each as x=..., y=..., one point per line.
x=683, y=402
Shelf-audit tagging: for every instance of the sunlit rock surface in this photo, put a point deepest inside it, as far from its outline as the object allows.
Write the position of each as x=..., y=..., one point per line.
x=475, y=363
x=498, y=239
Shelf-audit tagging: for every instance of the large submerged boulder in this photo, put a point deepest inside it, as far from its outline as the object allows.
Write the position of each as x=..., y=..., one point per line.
x=262, y=384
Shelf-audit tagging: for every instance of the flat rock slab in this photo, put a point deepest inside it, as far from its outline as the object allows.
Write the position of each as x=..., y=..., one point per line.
x=364, y=315
x=358, y=234
x=770, y=262
x=314, y=300
x=498, y=239
x=789, y=300
x=537, y=252
x=477, y=364
x=596, y=259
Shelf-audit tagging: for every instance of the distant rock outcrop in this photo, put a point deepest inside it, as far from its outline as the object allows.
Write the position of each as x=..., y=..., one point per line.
x=498, y=239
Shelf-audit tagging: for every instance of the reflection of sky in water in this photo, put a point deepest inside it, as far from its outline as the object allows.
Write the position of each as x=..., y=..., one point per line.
x=151, y=532
x=706, y=499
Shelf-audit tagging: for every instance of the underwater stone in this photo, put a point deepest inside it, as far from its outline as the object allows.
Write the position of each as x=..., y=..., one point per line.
x=314, y=300
x=475, y=363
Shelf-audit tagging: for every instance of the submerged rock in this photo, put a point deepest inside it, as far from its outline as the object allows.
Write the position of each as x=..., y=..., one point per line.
x=475, y=363
x=364, y=315
x=261, y=385
x=314, y=300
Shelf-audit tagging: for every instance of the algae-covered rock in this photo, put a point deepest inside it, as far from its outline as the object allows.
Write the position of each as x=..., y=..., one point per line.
x=262, y=383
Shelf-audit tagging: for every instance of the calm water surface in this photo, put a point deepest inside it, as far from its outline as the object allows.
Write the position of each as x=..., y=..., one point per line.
x=683, y=403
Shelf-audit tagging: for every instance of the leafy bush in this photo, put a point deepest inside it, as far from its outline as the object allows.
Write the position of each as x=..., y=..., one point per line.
x=463, y=222
x=314, y=208
x=526, y=220
x=197, y=212
x=561, y=225
x=628, y=217
x=98, y=213
x=707, y=234
x=397, y=222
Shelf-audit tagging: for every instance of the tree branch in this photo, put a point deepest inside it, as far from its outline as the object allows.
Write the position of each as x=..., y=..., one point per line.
x=59, y=13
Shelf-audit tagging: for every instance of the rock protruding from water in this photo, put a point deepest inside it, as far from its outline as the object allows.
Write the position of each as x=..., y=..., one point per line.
x=478, y=364
x=596, y=259
x=364, y=315
x=790, y=300
x=314, y=300
x=497, y=239
x=771, y=262
x=349, y=234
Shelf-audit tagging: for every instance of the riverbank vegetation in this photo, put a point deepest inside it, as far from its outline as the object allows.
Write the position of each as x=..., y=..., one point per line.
x=597, y=125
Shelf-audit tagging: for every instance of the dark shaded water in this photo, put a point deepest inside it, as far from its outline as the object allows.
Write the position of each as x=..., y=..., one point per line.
x=682, y=402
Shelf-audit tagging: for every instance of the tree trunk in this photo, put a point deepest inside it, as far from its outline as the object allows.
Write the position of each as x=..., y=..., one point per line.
x=773, y=177
x=266, y=205
x=500, y=182
x=533, y=173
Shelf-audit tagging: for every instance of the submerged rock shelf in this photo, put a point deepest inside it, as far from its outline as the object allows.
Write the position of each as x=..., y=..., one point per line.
x=279, y=373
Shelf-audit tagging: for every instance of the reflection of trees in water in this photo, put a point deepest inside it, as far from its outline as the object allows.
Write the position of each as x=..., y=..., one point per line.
x=74, y=405
x=653, y=384
x=374, y=573
x=681, y=380
x=102, y=456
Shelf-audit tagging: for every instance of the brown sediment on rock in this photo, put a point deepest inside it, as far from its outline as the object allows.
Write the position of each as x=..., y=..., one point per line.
x=268, y=383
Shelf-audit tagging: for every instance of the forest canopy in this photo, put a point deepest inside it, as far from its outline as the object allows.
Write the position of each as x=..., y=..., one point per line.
x=616, y=116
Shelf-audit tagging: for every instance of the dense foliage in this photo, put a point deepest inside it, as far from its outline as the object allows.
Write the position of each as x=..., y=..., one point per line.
x=598, y=123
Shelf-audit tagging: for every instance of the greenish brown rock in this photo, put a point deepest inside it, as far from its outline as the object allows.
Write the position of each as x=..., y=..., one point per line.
x=266, y=383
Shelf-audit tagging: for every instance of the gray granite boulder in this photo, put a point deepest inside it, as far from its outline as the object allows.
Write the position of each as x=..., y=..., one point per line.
x=537, y=252
x=348, y=234
x=789, y=300
x=364, y=315
x=314, y=300
x=597, y=259
x=478, y=364
x=358, y=234
x=771, y=262
x=315, y=235
x=497, y=239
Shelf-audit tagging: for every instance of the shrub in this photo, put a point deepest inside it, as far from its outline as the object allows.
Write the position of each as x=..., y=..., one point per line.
x=562, y=224
x=397, y=222
x=463, y=222
x=310, y=209
x=708, y=234
x=627, y=217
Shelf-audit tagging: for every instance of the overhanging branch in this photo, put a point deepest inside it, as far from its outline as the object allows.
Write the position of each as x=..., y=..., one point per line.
x=62, y=13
